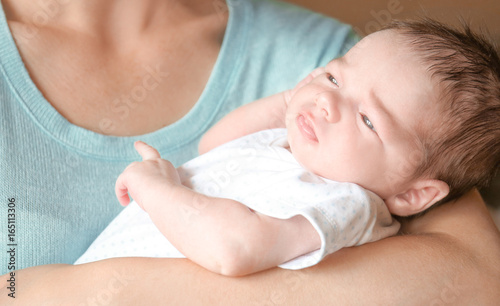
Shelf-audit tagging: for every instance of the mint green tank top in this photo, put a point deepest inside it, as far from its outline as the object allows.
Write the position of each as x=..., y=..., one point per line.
x=58, y=179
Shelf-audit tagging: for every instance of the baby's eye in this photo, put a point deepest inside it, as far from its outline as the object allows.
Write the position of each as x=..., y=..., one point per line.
x=332, y=79
x=368, y=123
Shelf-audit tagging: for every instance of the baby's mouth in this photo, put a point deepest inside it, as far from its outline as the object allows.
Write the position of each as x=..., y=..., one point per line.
x=306, y=128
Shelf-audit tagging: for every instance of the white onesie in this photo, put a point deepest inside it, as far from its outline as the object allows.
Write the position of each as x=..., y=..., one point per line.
x=258, y=171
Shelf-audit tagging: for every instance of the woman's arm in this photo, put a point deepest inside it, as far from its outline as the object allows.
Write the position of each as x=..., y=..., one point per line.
x=450, y=256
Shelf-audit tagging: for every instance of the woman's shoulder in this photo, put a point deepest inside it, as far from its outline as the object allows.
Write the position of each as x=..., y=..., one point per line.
x=291, y=24
x=284, y=42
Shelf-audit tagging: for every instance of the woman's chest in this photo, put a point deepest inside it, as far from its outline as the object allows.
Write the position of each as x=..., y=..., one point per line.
x=111, y=91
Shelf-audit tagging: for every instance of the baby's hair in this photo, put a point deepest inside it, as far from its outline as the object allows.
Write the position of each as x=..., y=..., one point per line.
x=463, y=149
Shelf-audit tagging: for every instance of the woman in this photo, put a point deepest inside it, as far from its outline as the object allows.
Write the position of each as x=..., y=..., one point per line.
x=99, y=75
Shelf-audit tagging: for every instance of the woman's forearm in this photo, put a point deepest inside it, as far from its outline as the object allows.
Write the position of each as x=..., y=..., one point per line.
x=441, y=262
x=134, y=281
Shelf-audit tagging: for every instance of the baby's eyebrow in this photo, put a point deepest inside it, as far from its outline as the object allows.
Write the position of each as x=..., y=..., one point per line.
x=344, y=60
x=379, y=107
x=336, y=62
x=392, y=125
x=341, y=61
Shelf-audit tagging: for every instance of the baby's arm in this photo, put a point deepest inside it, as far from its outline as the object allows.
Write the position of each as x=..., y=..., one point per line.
x=262, y=114
x=222, y=235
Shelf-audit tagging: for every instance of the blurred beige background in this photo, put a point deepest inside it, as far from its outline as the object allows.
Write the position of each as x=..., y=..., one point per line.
x=367, y=16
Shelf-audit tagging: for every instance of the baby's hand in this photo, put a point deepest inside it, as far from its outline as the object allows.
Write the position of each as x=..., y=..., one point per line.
x=143, y=180
x=289, y=93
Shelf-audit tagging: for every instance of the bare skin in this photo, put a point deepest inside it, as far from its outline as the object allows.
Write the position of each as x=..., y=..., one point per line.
x=448, y=256
x=87, y=45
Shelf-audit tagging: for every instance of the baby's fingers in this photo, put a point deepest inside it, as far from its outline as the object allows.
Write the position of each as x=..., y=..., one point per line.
x=290, y=93
x=310, y=77
x=146, y=151
x=121, y=190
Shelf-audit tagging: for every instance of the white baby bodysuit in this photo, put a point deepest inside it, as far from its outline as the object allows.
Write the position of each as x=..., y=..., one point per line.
x=258, y=171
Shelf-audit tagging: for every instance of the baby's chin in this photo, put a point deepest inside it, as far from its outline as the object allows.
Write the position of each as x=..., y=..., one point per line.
x=305, y=164
x=303, y=158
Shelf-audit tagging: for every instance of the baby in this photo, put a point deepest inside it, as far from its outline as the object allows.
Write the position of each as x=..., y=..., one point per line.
x=408, y=118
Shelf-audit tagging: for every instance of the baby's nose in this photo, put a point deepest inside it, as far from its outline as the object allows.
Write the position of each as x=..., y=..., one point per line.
x=328, y=105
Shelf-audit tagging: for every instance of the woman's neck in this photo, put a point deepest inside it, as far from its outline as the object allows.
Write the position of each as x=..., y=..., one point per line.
x=112, y=20
x=88, y=54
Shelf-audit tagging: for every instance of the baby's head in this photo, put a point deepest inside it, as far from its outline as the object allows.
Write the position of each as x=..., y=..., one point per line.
x=411, y=113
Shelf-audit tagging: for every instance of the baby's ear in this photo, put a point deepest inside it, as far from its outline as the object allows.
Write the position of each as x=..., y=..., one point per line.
x=421, y=195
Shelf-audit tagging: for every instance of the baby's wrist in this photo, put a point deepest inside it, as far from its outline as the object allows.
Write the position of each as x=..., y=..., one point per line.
x=173, y=192
x=158, y=194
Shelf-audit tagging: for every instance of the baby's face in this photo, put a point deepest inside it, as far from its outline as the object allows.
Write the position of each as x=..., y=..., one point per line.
x=357, y=121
